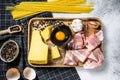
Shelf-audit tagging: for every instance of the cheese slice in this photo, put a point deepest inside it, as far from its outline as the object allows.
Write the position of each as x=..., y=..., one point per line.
x=55, y=52
x=38, y=53
x=46, y=33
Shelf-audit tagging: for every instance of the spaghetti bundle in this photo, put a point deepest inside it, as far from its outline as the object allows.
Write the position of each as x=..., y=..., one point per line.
x=25, y=9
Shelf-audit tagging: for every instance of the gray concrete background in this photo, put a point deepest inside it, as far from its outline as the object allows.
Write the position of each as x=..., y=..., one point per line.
x=109, y=12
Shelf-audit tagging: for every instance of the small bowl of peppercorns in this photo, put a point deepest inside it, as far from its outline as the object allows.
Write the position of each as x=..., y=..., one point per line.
x=9, y=51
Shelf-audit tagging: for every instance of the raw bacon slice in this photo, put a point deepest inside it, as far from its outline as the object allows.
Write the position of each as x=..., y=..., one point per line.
x=77, y=42
x=71, y=44
x=94, y=60
x=100, y=35
x=92, y=41
x=70, y=59
x=81, y=54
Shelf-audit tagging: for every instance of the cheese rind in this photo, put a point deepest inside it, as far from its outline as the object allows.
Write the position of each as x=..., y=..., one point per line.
x=55, y=52
x=38, y=53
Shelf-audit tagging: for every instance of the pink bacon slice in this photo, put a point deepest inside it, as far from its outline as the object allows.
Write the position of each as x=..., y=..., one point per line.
x=77, y=42
x=81, y=54
x=100, y=35
x=70, y=59
x=92, y=41
x=94, y=60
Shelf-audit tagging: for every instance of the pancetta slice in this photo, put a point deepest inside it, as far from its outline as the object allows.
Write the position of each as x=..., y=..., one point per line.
x=92, y=41
x=70, y=59
x=100, y=35
x=77, y=42
x=71, y=44
x=81, y=54
x=94, y=60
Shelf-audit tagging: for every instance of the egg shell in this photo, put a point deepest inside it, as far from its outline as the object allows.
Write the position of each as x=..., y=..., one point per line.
x=29, y=73
x=13, y=74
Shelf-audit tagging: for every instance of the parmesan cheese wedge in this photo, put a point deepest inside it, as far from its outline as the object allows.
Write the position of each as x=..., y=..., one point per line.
x=46, y=33
x=55, y=52
x=38, y=53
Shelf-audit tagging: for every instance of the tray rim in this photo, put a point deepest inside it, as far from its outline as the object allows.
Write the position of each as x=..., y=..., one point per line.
x=83, y=18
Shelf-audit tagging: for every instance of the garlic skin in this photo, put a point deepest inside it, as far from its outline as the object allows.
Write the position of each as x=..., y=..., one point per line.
x=76, y=25
x=94, y=24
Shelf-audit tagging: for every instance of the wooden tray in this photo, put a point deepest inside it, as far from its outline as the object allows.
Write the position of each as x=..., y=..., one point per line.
x=59, y=62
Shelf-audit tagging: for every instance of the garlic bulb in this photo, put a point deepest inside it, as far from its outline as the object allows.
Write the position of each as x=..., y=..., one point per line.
x=76, y=25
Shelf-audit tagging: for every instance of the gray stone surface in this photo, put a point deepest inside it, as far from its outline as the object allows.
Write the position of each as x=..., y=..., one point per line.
x=109, y=12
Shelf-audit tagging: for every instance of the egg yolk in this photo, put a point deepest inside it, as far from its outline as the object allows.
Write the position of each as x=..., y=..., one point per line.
x=60, y=35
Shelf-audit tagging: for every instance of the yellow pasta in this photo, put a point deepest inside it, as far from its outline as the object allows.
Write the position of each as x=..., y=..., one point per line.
x=25, y=9
x=66, y=2
x=21, y=14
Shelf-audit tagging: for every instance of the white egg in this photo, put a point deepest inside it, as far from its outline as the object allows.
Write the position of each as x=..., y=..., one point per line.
x=76, y=25
x=29, y=73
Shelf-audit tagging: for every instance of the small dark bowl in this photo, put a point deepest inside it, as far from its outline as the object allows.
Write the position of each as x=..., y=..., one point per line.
x=68, y=35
